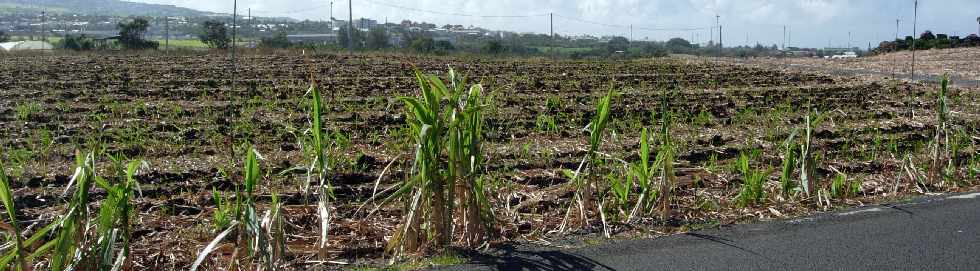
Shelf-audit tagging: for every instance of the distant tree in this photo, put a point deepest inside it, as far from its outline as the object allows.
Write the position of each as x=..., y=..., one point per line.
x=4, y=37
x=427, y=45
x=972, y=40
x=214, y=34
x=342, y=38
x=77, y=43
x=886, y=46
x=679, y=43
x=493, y=47
x=132, y=35
x=443, y=47
x=899, y=45
x=617, y=44
x=655, y=50
x=927, y=36
x=378, y=39
x=423, y=45
x=280, y=40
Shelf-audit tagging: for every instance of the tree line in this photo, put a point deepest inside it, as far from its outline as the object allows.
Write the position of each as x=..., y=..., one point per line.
x=928, y=40
x=217, y=35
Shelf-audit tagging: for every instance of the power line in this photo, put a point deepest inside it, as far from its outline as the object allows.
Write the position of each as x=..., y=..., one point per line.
x=452, y=13
x=460, y=14
x=647, y=28
x=304, y=10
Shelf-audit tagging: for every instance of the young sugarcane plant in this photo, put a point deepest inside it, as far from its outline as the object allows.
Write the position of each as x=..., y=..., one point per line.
x=643, y=172
x=753, y=186
x=247, y=225
x=786, y=184
x=320, y=162
x=584, y=189
x=70, y=238
x=665, y=161
x=71, y=247
x=19, y=250
x=319, y=167
x=940, y=145
x=447, y=126
x=114, y=214
x=808, y=180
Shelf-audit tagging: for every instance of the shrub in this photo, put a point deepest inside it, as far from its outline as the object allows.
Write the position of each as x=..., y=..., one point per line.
x=132, y=35
x=77, y=43
x=280, y=40
x=215, y=35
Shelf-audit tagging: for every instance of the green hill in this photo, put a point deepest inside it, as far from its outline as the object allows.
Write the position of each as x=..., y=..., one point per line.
x=97, y=7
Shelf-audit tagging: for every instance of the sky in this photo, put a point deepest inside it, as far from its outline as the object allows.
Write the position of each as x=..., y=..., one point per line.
x=810, y=23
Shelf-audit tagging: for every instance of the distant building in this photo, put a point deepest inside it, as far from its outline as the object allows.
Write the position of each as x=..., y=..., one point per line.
x=337, y=23
x=450, y=39
x=802, y=53
x=845, y=55
x=396, y=40
x=102, y=34
x=366, y=23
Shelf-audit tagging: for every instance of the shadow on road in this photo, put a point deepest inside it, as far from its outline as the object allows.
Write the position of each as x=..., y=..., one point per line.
x=897, y=208
x=731, y=244
x=511, y=258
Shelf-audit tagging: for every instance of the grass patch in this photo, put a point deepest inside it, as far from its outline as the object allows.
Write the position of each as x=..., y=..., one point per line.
x=191, y=44
x=448, y=258
x=563, y=50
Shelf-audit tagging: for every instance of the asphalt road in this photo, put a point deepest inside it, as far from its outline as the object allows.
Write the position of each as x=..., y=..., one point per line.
x=937, y=233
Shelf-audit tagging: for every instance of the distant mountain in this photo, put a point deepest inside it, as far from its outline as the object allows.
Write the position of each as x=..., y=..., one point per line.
x=100, y=7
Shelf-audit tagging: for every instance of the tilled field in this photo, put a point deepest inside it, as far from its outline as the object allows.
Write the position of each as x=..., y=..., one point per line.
x=189, y=117
x=962, y=65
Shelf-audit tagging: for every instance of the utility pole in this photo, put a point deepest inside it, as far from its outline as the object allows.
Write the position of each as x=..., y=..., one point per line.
x=166, y=44
x=350, y=26
x=331, y=13
x=64, y=36
x=895, y=55
x=234, y=37
x=915, y=21
x=897, y=21
x=711, y=36
x=249, y=26
x=630, y=44
x=848, y=40
x=789, y=37
x=718, y=22
x=234, y=30
x=551, y=17
x=44, y=35
x=784, y=37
